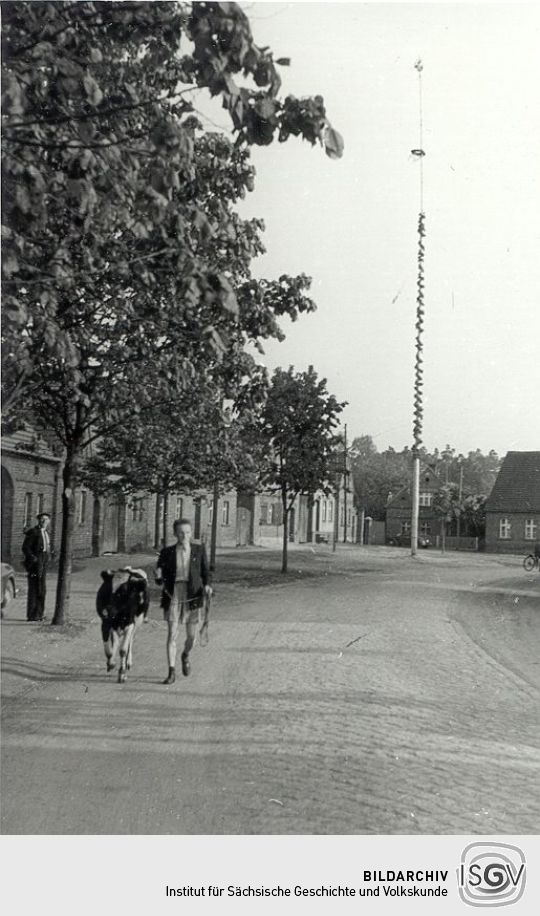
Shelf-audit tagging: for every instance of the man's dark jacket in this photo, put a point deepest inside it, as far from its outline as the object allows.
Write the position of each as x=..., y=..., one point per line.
x=35, y=557
x=199, y=575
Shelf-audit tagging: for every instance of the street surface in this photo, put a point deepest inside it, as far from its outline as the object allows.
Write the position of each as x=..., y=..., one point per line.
x=366, y=693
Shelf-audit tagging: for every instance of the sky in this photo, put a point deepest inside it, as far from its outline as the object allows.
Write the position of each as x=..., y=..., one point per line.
x=351, y=224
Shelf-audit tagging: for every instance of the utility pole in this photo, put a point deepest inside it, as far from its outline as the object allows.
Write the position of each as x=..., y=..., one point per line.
x=345, y=484
x=418, y=368
x=460, y=498
x=336, y=511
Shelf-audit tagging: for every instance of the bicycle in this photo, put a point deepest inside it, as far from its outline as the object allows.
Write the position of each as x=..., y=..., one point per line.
x=531, y=562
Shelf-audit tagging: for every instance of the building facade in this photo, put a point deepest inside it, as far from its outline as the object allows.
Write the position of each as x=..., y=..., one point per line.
x=311, y=520
x=32, y=483
x=513, y=507
x=399, y=509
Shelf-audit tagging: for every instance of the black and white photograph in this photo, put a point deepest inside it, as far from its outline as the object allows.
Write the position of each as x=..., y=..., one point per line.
x=271, y=432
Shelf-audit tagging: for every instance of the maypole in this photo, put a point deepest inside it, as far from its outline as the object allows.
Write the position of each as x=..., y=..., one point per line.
x=418, y=368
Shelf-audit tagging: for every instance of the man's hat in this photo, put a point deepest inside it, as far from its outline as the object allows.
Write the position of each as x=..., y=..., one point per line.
x=43, y=515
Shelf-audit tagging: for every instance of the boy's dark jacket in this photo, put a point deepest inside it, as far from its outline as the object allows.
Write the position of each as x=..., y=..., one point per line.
x=199, y=574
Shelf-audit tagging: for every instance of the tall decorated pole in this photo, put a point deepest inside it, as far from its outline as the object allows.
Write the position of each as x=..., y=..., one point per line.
x=419, y=346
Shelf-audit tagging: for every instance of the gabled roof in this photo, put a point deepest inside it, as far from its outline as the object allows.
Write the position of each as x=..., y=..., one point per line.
x=429, y=480
x=517, y=488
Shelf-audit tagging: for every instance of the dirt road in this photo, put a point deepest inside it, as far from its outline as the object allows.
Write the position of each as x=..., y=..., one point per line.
x=369, y=694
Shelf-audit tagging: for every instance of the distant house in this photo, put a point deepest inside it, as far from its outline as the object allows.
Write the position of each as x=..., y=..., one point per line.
x=310, y=521
x=399, y=508
x=513, y=507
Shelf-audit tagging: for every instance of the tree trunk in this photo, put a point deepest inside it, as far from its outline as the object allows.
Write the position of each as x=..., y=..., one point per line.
x=213, y=534
x=165, y=517
x=65, y=561
x=443, y=535
x=284, y=554
x=157, y=525
x=310, y=504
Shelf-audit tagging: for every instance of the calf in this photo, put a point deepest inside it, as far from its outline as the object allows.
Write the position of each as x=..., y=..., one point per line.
x=121, y=612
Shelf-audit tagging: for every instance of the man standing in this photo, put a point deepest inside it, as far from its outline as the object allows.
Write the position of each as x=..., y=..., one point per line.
x=36, y=550
x=183, y=571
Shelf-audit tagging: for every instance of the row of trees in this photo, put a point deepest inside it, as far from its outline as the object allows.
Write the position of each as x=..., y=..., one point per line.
x=466, y=480
x=130, y=307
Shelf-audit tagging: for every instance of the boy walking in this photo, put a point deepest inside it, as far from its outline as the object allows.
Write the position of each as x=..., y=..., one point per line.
x=184, y=574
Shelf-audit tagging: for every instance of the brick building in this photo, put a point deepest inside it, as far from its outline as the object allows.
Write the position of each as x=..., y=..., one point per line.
x=513, y=507
x=32, y=482
x=399, y=508
x=198, y=507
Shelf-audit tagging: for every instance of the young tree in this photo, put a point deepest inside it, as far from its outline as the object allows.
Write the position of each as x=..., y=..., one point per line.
x=298, y=424
x=186, y=444
x=473, y=515
x=448, y=505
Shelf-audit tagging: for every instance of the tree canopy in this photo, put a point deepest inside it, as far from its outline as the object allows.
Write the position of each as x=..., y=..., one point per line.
x=126, y=265
x=378, y=475
x=99, y=146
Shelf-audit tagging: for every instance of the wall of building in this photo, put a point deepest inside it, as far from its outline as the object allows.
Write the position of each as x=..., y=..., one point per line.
x=302, y=528
x=268, y=520
x=516, y=543
x=137, y=523
x=226, y=531
x=198, y=509
x=29, y=485
x=429, y=524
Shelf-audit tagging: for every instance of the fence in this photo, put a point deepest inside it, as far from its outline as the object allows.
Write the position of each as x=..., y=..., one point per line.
x=451, y=542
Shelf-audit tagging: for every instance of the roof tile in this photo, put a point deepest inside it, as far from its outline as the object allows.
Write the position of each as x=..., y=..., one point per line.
x=517, y=488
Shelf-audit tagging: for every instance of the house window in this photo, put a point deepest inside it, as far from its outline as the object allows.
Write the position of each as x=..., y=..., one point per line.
x=210, y=511
x=504, y=529
x=324, y=509
x=40, y=503
x=225, y=513
x=349, y=516
x=277, y=514
x=330, y=511
x=341, y=515
x=83, y=496
x=27, y=509
x=264, y=513
x=425, y=529
x=405, y=527
x=179, y=507
x=531, y=529
x=425, y=499
x=269, y=514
